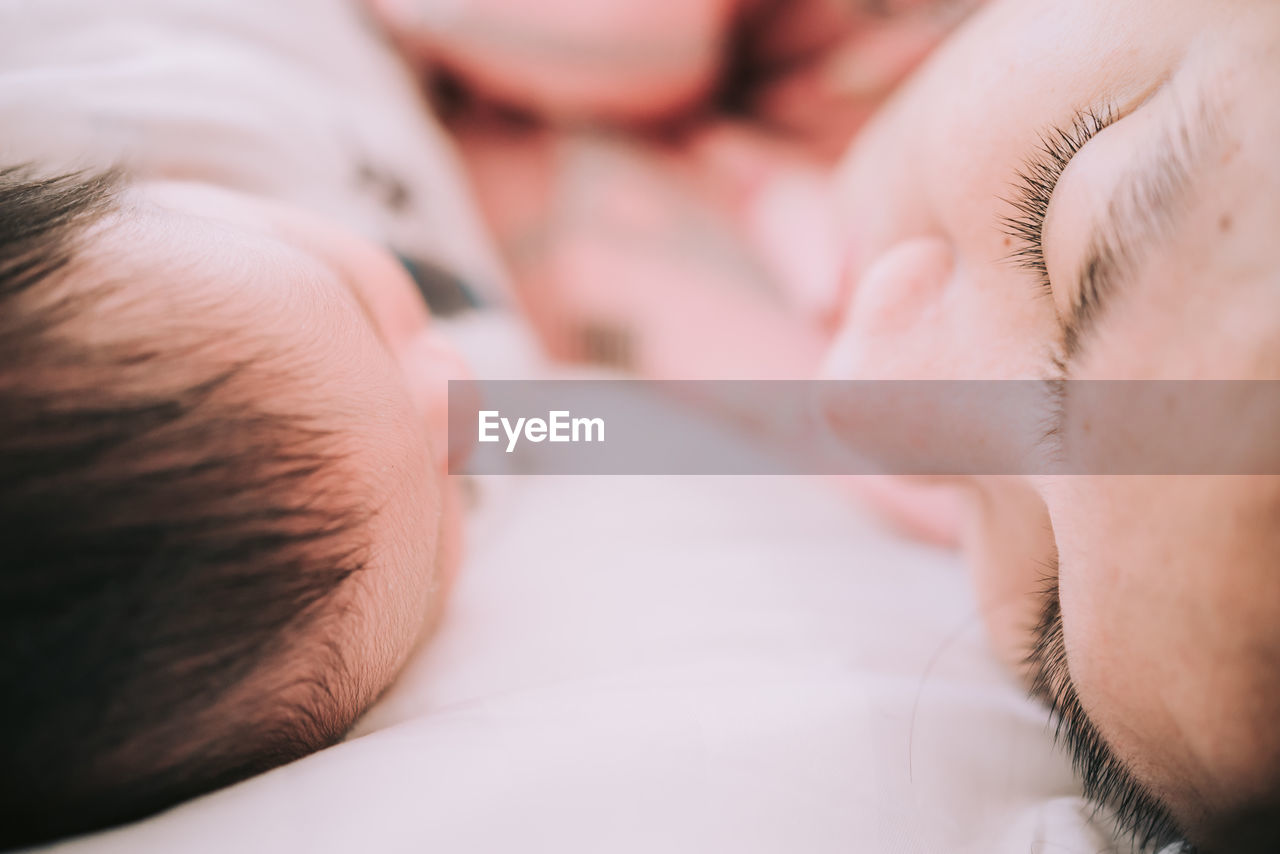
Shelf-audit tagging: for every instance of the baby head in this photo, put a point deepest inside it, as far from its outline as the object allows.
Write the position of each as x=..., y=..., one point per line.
x=222, y=492
x=1087, y=190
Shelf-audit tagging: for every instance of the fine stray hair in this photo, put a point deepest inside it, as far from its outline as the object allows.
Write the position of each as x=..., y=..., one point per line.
x=173, y=553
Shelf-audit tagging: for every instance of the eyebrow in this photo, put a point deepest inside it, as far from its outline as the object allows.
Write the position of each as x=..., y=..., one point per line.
x=1141, y=214
x=1106, y=779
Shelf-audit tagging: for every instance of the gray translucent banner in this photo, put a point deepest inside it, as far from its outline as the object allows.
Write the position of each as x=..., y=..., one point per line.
x=941, y=428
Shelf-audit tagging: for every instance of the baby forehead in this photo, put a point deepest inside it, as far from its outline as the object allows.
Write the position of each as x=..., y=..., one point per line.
x=193, y=268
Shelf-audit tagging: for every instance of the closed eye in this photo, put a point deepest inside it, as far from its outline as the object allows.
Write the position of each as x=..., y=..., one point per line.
x=1035, y=183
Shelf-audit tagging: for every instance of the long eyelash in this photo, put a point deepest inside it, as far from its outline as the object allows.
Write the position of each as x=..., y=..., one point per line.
x=1106, y=780
x=1035, y=184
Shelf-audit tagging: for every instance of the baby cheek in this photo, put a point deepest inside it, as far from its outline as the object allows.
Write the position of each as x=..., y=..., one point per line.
x=452, y=544
x=428, y=362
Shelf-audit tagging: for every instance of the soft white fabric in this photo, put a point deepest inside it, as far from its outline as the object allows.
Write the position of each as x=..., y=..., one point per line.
x=669, y=665
x=298, y=100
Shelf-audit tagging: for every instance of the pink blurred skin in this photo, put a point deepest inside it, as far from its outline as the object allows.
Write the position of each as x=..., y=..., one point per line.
x=613, y=234
x=711, y=237
x=648, y=61
x=612, y=59
x=759, y=185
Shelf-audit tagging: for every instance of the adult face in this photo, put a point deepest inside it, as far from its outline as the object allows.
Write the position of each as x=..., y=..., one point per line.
x=978, y=251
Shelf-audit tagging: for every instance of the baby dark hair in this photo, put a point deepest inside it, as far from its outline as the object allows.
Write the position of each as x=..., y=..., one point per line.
x=174, y=556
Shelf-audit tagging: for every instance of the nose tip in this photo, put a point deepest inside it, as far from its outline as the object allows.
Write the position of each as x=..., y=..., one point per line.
x=885, y=304
x=904, y=281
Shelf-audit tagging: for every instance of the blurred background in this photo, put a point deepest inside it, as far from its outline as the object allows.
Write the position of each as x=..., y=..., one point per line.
x=656, y=172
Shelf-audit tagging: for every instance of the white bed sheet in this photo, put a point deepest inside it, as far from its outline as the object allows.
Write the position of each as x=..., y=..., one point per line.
x=670, y=665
